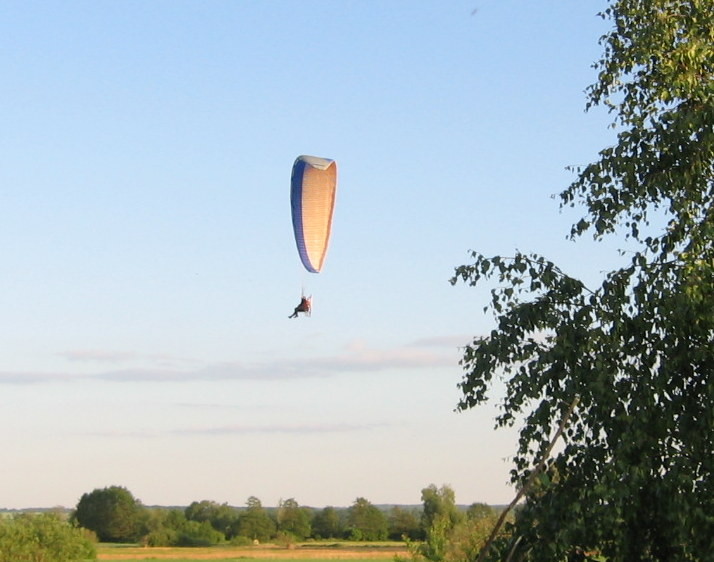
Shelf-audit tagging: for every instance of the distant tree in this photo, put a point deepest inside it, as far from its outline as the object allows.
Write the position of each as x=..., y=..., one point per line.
x=255, y=522
x=170, y=527
x=436, y=540
x=222, y=517
x=440, y=515
x=44, y=537
x=112, y=513
x=468, y=537
x=174, y=523
x=294, y=520
x=158, y=527
x=439, y=503
x=327, y=524
x=195, y=533
x=404, y=523
x=479, y=511
x=366, y=522
x=456, y=542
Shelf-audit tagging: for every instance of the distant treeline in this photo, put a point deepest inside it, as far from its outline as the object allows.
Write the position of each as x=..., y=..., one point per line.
x=115, y=515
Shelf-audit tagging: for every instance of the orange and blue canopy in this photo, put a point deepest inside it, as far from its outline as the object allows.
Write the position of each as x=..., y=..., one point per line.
x=312, y=198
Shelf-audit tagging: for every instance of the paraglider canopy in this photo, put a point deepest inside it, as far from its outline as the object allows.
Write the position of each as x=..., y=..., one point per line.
x=312, y=199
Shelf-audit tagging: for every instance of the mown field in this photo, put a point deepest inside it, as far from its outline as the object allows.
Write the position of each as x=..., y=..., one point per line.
x=308, y=552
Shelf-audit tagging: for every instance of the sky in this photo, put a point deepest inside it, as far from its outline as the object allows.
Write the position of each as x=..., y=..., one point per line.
x=149, y=265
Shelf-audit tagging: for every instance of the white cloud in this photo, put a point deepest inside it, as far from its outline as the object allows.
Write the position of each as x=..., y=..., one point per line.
x=452, y=342
x=357, y=356
x=123, y=357
x=10, y=377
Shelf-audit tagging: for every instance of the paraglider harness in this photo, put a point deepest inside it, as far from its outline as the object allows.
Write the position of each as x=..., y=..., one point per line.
x=305, y=307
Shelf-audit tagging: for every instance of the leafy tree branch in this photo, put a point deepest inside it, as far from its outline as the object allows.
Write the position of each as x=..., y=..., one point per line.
x=634, y=480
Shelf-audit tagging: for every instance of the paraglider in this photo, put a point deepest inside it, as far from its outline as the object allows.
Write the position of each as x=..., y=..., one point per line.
x=313, y=185
x=312, y=198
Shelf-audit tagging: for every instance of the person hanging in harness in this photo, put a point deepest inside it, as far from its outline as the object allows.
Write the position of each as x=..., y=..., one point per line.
x=304, y=307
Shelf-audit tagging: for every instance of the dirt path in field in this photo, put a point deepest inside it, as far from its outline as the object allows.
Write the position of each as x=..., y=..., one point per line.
x=158, y=553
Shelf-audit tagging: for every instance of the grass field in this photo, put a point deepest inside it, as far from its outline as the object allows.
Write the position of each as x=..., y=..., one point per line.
x=308, y=552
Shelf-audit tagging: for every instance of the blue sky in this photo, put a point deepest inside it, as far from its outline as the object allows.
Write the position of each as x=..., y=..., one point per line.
x=147, y=251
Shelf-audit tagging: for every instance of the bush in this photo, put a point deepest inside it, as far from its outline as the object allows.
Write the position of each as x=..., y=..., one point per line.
x=241, y=541
x=468, y=538
x=198, y=534
x=160, y=537
x=285, y=539
x=45, y=537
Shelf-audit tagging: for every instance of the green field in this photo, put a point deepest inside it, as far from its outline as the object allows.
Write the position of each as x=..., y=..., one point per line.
x=306, y=552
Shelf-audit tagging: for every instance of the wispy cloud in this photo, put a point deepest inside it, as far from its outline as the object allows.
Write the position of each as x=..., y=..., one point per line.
x=232, y=430
x=302, y=429
x=357, y=356
x=12, y=377
x=113, y=357
x=453, y=342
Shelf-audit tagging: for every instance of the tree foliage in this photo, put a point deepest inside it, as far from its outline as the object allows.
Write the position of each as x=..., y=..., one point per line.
x=293, y=519
x=197, y=533
x=161, y=527
x=479, y=510
x=439, y=503
x=468, y=537
x=255, y=522
x=327, y=523
x=635, y=479
x=205, y=522
x=221, y=517
x=449, y=534
x=366, y=522
x=43, y=538
x=404, y=523
x=112, y=513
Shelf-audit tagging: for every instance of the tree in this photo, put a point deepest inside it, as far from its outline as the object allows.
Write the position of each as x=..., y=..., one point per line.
x=463, y=539
x=160, y=528
x=439, y=503
x=255, y=523
x=293, y=519
x=171, y=527
x=366, y=522
x=440, y=515
x=635, y=477
x=195, y=533
x=404, y=523
x=327, y=524
x=112, y=513
x=468, y=537
x=222, y=517
x=44, y=537
x=479, y=511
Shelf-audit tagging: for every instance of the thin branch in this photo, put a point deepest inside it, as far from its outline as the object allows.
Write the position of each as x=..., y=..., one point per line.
x=531, y=478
